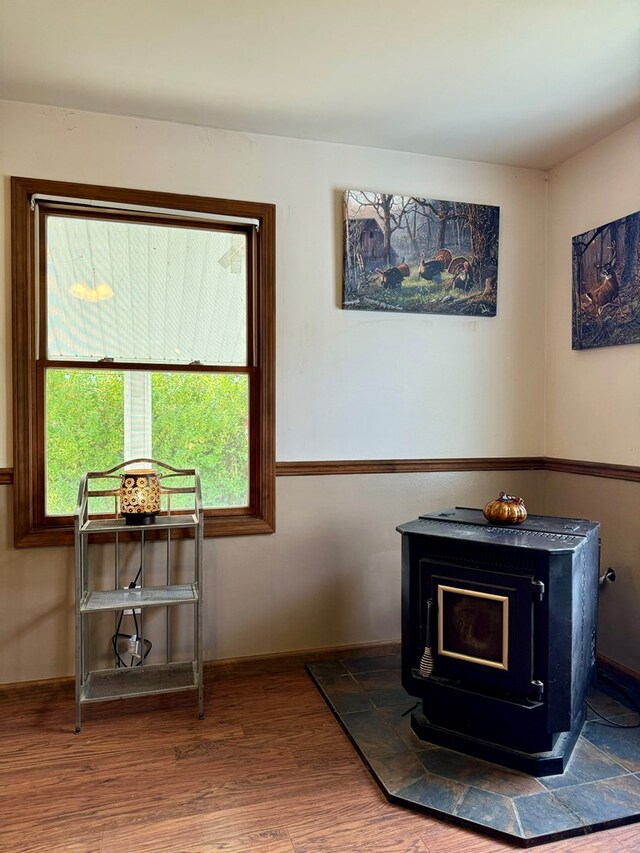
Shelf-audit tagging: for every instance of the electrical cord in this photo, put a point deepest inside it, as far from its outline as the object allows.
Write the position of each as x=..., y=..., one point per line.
x=609, y=723
x=118, y=635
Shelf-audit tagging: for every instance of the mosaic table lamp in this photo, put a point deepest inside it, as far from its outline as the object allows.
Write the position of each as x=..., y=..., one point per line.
x=139, y=496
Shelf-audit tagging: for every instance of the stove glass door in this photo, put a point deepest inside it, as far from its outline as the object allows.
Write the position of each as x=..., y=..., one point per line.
x=473, y=626
x=482, y=626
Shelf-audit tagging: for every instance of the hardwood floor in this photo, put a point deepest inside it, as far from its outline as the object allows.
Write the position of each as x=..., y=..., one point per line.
x=268, y=770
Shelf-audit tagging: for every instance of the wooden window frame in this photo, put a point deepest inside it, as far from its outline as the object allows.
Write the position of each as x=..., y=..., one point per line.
x=32, y=527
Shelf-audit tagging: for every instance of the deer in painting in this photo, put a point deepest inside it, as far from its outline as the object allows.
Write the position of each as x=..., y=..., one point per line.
x=607, y=289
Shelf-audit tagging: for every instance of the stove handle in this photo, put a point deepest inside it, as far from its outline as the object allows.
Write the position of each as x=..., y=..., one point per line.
x=426, y=661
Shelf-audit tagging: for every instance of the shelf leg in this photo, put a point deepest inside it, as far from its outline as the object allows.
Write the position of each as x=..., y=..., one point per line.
x=199, y=546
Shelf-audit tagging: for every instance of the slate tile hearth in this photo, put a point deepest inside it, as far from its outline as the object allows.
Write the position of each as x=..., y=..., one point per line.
x=600, y=787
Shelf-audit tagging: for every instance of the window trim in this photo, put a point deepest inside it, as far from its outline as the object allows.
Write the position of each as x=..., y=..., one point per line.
x=31, y=526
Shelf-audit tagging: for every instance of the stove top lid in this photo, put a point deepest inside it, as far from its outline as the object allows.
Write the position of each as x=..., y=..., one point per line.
x=542, y=532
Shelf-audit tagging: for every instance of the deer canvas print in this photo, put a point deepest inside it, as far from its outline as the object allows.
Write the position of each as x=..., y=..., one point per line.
x=419, y=255
x=606, y=284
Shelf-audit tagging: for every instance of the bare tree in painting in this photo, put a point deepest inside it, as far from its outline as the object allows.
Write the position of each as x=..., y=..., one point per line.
x=483, y=223
x=409, y=222
x=353, y=233
x=442, y=214
x=411, y=238
x=631, y=245
x=390, y=214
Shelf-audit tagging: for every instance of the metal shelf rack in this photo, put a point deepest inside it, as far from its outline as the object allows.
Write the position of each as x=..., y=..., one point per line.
x=119, y=682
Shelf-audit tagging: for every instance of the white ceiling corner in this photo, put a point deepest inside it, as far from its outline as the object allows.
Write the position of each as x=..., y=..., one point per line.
x=525, y=83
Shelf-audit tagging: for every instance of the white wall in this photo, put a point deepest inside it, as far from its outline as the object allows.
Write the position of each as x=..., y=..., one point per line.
x=350, y=385
x=614, y=503
x=592, y=396
x=330, y=575
x=359, y=385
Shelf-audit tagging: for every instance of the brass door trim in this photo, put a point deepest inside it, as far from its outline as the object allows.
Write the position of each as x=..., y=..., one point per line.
x=504, y=664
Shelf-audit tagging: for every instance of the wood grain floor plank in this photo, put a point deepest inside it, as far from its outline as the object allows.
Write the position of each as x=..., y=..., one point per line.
x=628, y=836
x=74, y=840
x=195, y=835
x=269, y=770
x=382, y=834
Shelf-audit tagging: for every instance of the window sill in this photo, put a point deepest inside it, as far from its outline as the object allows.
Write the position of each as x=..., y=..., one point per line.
x=62, y=534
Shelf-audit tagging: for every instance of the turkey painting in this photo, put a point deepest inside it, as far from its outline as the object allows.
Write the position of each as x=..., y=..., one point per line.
x=419, y=255
x=606, y=284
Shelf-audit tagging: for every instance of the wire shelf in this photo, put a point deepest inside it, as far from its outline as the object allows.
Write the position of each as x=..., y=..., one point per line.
x=150, y=596
x=118, y=525
x=155, y=556
x=103, y=685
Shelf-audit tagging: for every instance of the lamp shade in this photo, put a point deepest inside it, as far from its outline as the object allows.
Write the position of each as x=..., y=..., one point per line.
x=139, y=496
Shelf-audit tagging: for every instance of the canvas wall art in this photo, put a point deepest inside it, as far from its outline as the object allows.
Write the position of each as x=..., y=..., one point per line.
x=606, y=284
x=419, y=255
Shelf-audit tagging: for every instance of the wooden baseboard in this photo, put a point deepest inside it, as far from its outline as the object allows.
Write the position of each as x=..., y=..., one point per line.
x=285, y=660
x=619, y=669
x=265, y=663
x=51, y=685
x=281, y=661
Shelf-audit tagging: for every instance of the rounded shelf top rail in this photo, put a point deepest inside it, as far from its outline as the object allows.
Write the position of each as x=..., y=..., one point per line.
x=118, y=471
x=127, y=462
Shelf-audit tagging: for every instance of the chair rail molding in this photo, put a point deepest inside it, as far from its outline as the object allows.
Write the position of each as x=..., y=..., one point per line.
x=630, y=473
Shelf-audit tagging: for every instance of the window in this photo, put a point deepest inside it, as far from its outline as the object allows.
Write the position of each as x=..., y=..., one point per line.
x=143, y=326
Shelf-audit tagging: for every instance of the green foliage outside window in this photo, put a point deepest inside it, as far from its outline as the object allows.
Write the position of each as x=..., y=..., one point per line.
x=199, y=420
x=84, y=431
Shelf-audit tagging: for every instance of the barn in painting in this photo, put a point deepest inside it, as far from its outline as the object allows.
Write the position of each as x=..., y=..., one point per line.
x=365, y=243
x=409, y=254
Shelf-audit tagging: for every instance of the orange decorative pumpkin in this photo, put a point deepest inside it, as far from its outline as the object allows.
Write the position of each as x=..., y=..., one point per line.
x=507, y=509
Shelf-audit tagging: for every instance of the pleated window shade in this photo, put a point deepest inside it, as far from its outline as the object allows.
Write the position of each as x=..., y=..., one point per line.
x=139, y=292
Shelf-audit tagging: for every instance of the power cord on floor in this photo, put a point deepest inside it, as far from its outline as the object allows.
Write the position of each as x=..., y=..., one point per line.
x=139, y=648
x=608, y=721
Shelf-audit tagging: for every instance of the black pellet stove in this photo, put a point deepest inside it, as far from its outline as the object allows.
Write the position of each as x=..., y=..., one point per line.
x=498, y=634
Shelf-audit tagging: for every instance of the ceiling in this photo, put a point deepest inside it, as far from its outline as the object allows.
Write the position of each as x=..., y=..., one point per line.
x=517, y=82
